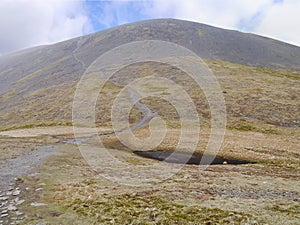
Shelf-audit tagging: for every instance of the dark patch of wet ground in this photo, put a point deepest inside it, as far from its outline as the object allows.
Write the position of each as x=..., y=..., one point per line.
x=190, y=158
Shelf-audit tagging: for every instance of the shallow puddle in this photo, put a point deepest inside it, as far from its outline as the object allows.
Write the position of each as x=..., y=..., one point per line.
x=189, y=158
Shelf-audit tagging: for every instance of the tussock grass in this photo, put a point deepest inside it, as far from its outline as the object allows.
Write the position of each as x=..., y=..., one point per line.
x=139, y=209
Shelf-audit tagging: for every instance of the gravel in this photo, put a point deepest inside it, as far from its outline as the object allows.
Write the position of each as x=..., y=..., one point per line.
x=11, y=169
x=10, y=172
x=259, y=193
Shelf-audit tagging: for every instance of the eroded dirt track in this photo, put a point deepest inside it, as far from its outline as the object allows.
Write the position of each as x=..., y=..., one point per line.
x=11, y=169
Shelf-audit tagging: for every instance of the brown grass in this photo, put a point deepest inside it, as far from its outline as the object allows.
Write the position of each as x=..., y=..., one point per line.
x=255, y=98
x=76, y=193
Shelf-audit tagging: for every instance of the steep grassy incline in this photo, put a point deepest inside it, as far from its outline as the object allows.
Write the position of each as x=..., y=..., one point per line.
x=259, y=75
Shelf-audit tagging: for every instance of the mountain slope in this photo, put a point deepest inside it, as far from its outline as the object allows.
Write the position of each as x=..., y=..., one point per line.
x=37, y=85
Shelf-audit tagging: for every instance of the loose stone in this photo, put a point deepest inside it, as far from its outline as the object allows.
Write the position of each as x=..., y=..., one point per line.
x=17, y=192
x=11, y=208
x=18, y=213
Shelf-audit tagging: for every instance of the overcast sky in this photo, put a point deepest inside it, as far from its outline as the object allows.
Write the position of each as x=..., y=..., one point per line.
x=27, y=23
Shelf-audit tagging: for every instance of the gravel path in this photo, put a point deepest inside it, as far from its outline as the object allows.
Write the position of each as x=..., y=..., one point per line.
x=14, y=168
x=55, y=130
x=148, y=114
x=22, y=165
x=10, y=172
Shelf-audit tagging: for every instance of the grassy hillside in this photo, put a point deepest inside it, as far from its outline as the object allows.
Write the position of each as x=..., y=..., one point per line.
x=257, y=99
x=259, y=76
x=260, y=81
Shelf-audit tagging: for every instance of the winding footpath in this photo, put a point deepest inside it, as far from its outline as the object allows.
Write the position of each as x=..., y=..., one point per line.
x=12, y=169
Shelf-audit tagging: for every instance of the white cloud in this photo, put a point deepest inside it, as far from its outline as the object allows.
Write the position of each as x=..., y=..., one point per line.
x=25, y=23
x=282, y=21
x=114, y=12
x=277, y=19
x=222, y=13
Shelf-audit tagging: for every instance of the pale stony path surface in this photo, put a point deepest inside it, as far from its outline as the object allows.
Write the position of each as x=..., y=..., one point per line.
x=10, y=172
x=22, y=165
x=55, y=130
x=148, y=114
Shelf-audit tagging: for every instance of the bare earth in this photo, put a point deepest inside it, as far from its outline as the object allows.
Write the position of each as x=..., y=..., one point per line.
x=48, y=131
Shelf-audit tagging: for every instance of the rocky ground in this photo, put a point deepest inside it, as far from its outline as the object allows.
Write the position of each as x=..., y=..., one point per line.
x=10, y=202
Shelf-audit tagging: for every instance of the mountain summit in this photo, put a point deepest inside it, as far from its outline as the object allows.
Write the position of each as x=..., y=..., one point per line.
x=48, y=74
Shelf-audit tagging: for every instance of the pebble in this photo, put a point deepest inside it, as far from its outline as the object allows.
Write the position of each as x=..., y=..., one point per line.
x=3, y=198
x=3, y=204
x=38, y=189
x=19, y=179
x=20, y=202
x=18, y=213
x=36, y=204
x=15, y=200
x=16, y=192
x=11, y=208
x=4, y=211
x=4, y=215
